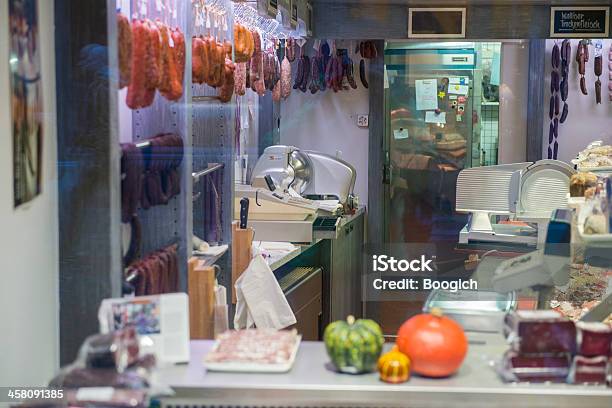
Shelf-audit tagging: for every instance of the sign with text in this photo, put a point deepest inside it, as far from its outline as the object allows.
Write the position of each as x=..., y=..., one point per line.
x=436, y=22
x=579, y=22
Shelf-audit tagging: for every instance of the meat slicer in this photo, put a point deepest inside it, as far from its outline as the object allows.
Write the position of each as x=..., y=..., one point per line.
x=308, y=173
x=291, y=189
x=526, y=194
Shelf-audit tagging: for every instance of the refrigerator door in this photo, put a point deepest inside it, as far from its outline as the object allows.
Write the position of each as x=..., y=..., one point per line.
x=428, y=126
x=429, y=109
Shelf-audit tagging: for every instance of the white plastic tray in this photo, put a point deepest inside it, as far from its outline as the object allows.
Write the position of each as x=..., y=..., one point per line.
x=605, y=169
x=595, y=240
x=242, y=367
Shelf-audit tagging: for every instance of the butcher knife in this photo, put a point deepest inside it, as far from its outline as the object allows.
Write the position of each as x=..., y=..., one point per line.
x=244, y=212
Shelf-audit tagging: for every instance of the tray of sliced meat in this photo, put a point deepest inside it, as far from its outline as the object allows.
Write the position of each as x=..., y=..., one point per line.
x=254, y=351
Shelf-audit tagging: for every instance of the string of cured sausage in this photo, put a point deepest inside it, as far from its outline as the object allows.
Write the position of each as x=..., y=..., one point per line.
x=553, y=112
x=151, y=58
x=155, y=274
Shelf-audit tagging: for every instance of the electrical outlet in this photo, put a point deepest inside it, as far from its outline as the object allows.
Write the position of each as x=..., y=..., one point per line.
x=363, y=121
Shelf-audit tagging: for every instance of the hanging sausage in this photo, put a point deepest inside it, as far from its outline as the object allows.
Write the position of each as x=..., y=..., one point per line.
x=597, y=68
x=554, y=104
x=582, y=57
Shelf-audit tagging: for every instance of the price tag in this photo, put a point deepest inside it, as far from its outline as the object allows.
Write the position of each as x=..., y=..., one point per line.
x=171, y=41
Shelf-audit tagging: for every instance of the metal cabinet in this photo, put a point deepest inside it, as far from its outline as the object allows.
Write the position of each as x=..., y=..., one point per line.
x=303, y=288
x=346, y=269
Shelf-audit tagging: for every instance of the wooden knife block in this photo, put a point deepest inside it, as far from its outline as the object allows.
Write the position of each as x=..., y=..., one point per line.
x=201, y=299
x=242, y=240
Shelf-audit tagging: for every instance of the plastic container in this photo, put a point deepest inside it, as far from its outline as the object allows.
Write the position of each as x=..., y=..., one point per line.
x=537, y=368
x=540, y=331
x=594, y=339
x=481, y=311
x=589, y=370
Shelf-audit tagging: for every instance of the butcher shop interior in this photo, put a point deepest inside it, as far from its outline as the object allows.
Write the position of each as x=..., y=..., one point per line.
x=306, y=203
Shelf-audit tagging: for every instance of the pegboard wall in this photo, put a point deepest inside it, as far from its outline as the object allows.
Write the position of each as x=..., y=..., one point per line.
x=213, y=141
x=164, y=225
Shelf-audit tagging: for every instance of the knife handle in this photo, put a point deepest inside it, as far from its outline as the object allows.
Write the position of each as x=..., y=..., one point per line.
x=244, y=212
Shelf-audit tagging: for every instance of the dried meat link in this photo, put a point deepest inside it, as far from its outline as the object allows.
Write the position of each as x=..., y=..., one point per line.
x=300, y=74
x=564, y=113
x=551, y=133
x=556, y=82
x=180, y=53
x=566, y=50
x=556, y=57
x=170, y=86
x=564, y=87
x=339, y=73
x=550, y=153
x=137, y=88
x=583, y=87
x=351, y=75
x=556, y=127
x=598, y=91
x=124, y=42
x=290, y=49
x=551, y=108
x=328, y=73
x=314, y=74
x=373, y=50
x=556, y=150
x=582, y=57
x=285, y=78
x=276, y=92
x=153, y=59
x=362, y=74
x=598, y=65
x=306, y=76
x=240, y=78
x=556, y=104
x=227, y=90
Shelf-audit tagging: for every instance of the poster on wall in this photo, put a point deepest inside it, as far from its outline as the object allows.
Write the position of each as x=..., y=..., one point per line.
x=26, y=100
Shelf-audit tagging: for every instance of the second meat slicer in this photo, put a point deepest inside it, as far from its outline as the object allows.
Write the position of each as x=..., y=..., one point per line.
x=524, y=193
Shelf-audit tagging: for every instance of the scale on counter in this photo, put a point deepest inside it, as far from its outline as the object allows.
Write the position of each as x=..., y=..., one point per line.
x=526, y=193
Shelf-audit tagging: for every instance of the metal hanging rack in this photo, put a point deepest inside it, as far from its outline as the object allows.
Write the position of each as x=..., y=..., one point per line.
x=212, y=168
x=245, y=13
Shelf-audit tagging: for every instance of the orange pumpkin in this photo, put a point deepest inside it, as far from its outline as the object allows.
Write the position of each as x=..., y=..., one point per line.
x=394, y=367
x=435, y=344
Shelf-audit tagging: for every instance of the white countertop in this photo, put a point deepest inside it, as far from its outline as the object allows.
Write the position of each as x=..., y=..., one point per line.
x=312, y=382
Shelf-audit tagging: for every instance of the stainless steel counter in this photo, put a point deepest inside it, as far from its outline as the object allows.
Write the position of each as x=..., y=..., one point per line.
x=312, y=383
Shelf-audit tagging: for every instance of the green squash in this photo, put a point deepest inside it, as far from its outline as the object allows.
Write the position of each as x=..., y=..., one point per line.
x=354, y=345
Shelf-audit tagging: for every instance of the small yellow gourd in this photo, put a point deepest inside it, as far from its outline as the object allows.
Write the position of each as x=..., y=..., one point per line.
x=394, y=366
